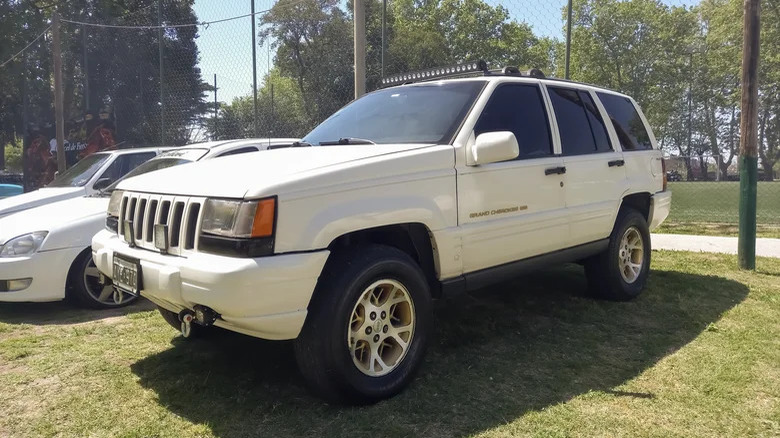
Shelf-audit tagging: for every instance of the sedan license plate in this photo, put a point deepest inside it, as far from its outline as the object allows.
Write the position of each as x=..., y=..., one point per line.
x=127, y=274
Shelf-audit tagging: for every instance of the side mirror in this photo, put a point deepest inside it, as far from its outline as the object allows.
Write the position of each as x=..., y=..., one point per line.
x=492, y=147
x=102, y=183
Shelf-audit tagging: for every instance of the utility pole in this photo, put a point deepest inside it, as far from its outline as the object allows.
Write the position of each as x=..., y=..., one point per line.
x=748, y=144
x=254, y=68
x=162, y=71
x=360, y=47
x=58, y=109
x=216, y=109
x=568, y=40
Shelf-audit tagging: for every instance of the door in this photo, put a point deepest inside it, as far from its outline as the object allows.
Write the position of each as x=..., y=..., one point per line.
x=595, y=171
x=514, y=209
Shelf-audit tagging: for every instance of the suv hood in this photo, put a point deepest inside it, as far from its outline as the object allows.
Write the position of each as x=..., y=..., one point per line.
x=260, y=174
x=38, y=197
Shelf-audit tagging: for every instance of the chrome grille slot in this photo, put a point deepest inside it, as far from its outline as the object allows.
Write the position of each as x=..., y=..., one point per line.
x=191, y=226
x=150, y=217
x=130, y=213
x=175, y=224
x=138, y=223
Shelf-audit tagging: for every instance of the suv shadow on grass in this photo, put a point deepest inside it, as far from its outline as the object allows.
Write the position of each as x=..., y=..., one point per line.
x=63, y=312
x=518, y=347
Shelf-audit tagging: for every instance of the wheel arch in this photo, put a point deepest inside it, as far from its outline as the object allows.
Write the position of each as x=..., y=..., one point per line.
x=414, y=239
x=637, y=201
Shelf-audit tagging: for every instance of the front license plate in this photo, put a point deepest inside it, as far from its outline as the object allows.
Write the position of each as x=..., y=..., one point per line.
x=127, y=274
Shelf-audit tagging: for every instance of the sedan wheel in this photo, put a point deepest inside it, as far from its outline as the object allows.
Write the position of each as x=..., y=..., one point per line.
x=92, y=289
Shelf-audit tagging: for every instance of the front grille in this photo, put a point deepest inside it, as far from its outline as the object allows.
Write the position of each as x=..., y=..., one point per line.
x=180, y=213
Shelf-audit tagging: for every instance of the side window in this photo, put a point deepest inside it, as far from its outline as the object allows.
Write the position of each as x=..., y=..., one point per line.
x=239, y=151
x=518, y=108
x=597, y=127
x=629, y=126
x=579, y=124
x=125, y=163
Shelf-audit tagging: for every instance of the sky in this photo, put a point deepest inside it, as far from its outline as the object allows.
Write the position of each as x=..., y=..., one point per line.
x=226, y=48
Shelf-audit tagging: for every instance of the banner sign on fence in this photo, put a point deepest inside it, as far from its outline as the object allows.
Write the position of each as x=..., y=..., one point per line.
x=94, y=132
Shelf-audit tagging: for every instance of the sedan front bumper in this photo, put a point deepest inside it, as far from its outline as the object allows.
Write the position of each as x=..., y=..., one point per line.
x=48, y=271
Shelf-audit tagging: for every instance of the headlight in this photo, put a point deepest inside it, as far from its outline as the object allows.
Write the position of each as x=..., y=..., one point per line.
x=112, y=213
x=239, y=218
x=23, y=245
x=115, y=203
x=238, y=228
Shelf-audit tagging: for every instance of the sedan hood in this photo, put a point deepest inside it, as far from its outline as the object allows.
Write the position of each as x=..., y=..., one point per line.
x=38, y=197
x=63, y=220
x=253, y=174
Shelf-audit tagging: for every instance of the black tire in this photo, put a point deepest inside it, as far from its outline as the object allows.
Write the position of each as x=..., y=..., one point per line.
x=604, y=270
x=84, y=289
x=172, y=318
x=322, y=351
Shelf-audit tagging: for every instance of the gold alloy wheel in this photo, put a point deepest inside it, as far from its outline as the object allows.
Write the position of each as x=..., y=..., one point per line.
x=381, y=328
x=631, y=255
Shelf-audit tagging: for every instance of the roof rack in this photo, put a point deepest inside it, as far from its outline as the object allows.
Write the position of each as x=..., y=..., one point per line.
x=458, y=70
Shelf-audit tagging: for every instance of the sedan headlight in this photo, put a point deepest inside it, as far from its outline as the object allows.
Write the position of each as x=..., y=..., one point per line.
x=26, y=244
x=238, y=228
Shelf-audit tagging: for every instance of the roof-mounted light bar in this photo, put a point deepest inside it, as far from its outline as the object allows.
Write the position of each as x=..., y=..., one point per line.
x=433, y=73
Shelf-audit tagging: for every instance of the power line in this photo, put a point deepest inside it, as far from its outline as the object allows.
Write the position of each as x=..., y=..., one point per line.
x=164, y=26
x=25, y=47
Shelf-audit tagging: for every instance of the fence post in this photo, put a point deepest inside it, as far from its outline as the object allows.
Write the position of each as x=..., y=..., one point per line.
x=568, y=39
x=162, y=80
x=216, y=109
x=384, y=30
x=58, y=109
x=254, y=69
x=748, y=145
x=360, y=47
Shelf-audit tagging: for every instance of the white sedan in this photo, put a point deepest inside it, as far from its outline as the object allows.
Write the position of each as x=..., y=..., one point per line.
x=88, y=176
x=45, y=251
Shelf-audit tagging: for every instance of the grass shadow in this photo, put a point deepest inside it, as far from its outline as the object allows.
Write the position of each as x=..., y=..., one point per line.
x=518, y=347
x=63, y=312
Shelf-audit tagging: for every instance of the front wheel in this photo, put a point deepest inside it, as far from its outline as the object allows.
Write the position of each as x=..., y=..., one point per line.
x=368, y=326
x=89, y=288
x=620, y=272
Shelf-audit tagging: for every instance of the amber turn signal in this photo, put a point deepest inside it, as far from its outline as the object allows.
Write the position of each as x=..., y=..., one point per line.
x=265, y=216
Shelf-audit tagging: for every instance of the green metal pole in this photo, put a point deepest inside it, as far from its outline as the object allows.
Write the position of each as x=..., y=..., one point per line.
x=748, y=145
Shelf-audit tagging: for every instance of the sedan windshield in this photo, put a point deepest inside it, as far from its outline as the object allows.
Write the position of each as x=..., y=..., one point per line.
x=425, y=113
x=149, y=166
x=81, y=172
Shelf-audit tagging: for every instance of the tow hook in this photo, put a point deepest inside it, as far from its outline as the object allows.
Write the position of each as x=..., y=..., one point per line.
x=186, y=316
x=200, y=315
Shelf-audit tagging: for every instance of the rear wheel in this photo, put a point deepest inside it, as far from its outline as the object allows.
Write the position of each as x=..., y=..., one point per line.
x=89, y=288
x=368, y=326
x=620, y=272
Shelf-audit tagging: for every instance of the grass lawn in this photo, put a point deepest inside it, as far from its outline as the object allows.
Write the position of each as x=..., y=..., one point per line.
x=698, y=354
x=708, y=229
x=718, y=202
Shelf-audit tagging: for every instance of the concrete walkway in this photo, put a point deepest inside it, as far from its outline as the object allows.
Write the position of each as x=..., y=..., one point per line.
x=726, y=245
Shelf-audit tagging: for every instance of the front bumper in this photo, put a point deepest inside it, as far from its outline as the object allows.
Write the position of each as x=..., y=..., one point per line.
x=265, y=297
x=48, y=270
x=660, y=205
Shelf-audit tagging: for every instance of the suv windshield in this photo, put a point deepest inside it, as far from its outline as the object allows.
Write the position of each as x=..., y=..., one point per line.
x=149, y=166
x=425, y=113
x=81, y=172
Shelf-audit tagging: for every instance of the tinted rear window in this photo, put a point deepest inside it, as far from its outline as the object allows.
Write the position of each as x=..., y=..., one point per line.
x=629, y=126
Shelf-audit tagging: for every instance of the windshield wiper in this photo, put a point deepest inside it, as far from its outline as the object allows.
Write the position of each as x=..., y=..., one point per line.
x=346, y=140
x=301, y=144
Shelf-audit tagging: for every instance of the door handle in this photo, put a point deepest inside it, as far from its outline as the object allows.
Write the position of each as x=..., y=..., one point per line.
x=555, y=170
x=618, y=163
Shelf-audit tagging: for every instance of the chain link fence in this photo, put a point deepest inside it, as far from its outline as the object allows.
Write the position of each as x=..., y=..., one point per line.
x=170, y=72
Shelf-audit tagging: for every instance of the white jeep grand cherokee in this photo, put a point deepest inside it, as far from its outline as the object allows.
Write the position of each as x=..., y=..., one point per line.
x=407, y=194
